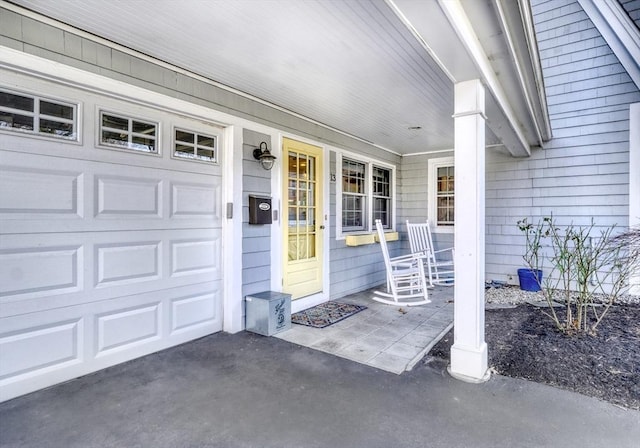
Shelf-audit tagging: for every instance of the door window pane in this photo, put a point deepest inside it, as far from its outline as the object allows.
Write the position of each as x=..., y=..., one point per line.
x=301, y=210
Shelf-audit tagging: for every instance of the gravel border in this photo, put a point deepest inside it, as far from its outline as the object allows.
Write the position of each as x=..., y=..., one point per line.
x=511, y=295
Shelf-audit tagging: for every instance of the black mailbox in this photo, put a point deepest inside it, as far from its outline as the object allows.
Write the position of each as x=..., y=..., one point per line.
x=259, y=210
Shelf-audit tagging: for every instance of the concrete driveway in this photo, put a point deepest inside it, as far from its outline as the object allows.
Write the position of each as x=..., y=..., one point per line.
x=246, y=390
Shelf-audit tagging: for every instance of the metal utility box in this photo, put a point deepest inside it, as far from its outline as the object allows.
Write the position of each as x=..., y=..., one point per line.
x=268, y=312
x=259, y=210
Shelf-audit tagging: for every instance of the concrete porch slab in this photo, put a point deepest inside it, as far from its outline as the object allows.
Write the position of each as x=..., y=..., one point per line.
x=387, y=337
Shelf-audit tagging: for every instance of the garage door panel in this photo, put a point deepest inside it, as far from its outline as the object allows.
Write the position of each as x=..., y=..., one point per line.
x=116, y=196
x=27, y=191
x=192, y=257
x=86, y=148
x=194, y=311
x=191, y=200
x=89, y=267
x=122, y=264
x=67, y=342
x=50, y=346
x=46, y=271
x=117, y=330
x=75, y=195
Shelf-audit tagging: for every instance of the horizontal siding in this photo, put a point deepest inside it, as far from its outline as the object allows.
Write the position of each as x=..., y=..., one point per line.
x=415, y=171
x=583, y=172
x=256, y=245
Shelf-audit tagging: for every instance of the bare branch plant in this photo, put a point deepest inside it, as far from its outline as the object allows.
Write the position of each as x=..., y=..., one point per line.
x=586, y=274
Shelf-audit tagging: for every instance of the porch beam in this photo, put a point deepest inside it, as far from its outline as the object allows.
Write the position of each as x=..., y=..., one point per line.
x=503, y=121
x=469, y=350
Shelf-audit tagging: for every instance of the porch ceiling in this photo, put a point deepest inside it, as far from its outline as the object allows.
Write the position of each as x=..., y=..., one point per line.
x=382, y=71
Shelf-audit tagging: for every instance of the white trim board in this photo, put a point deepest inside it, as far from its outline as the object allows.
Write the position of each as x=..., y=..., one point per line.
x=634, y=179
x=464, y=29
x=620, y=33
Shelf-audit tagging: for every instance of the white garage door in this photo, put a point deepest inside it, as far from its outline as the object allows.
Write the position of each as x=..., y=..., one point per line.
x=110, y=221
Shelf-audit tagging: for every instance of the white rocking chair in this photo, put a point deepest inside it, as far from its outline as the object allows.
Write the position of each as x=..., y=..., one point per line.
x=406, y=284
x=440, y=269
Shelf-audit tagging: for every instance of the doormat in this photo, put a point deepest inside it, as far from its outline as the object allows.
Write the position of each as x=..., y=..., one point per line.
x=326, y=314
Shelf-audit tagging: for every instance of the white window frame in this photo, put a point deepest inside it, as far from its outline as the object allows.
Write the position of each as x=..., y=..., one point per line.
x=131, y=118
x=369, y=163
x=216, y=149
x=432, y=190
x=375, y=196
x=37, y=116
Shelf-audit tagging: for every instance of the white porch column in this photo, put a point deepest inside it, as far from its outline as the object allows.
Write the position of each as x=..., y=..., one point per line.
x=469, y=351
x=634, y=180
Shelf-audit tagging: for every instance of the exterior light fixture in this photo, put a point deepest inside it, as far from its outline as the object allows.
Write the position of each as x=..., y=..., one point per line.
x=264, y=156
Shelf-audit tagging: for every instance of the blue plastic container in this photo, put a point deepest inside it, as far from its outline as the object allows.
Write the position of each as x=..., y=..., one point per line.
x=528, y=280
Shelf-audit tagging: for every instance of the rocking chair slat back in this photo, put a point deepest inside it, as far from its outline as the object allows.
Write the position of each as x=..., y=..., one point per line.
x=406, y=282
x=439, y=266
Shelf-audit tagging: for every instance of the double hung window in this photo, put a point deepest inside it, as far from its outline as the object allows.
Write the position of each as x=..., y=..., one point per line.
x=354, y=195
x=441, y=194
x=366, y=195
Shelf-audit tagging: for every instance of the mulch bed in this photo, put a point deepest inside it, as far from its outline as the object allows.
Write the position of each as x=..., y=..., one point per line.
x=524, y=343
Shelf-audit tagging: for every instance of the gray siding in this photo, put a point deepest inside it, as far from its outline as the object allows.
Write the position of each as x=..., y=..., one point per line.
x=256, y=245
x=414, y=196
x=583, y=172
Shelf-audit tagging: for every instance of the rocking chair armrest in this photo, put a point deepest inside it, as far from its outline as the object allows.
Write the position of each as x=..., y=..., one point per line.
x=408, y=257
x=443, y=250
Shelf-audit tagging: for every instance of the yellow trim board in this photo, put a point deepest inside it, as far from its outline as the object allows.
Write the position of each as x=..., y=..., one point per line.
x=359, y=240
x=389, y=236
x=369, y=238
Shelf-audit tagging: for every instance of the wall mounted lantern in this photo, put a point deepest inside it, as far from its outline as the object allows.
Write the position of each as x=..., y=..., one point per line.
x=264, y=156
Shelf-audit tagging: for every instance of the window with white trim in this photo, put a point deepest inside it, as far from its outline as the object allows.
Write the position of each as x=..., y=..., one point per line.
x=381, y=179
x=365, y=194
x=354, y=196
x=38, y=115
x=194, y=146
x=441, y=200
x=123, y=132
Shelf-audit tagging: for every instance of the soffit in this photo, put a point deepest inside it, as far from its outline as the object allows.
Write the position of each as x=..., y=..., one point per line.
x=355, y=66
